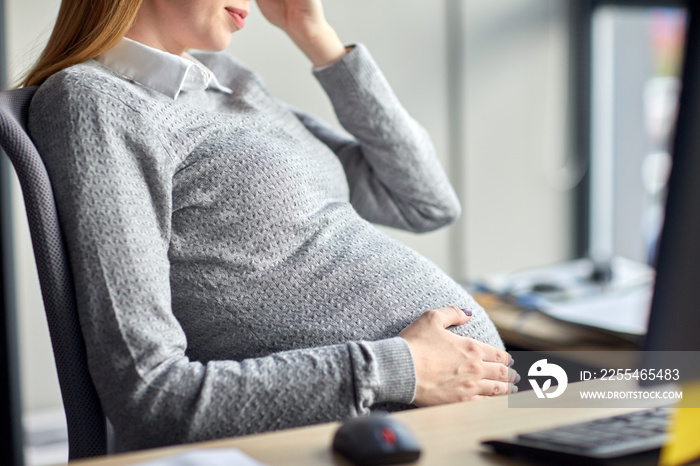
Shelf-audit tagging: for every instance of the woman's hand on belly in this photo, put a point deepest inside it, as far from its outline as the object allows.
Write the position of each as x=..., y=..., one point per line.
x=452, y=368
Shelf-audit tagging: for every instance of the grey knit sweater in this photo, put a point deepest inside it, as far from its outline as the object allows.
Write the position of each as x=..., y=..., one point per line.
x=229, y=278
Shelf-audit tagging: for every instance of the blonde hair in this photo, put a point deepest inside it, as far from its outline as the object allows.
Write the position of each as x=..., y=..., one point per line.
x=84, y=29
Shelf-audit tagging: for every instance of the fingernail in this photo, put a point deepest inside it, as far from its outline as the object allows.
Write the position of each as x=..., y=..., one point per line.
x=517, y=378
x=514, y=389
x=467, y=312
x=511, y=362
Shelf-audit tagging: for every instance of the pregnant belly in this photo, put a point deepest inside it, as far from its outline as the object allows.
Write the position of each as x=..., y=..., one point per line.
x=366, y=287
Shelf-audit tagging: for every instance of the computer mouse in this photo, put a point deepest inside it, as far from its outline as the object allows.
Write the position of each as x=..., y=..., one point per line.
x=376, y=439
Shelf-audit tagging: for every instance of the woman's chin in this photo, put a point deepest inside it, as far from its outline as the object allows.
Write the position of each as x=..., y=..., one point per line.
x=216, y=45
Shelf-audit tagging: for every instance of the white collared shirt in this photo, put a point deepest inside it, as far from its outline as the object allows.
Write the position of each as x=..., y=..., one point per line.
x=161, y=71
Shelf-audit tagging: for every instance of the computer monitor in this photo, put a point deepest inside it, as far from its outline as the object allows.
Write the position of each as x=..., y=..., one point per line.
x=630, y=68
x=674, y=322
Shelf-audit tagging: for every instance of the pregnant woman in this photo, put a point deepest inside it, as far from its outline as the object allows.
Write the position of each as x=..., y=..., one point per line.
x=229, y=277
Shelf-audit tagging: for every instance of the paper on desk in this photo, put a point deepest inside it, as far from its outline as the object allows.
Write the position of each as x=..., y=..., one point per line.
x=621, y=305
x=623, y=311
x=213, y=457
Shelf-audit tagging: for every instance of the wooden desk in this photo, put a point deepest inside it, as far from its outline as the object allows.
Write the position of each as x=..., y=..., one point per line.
x=449, y=434
x=534, y=331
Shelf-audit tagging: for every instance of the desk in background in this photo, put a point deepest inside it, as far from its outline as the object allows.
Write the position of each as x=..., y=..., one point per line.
x=580, y=312
x=528, y=329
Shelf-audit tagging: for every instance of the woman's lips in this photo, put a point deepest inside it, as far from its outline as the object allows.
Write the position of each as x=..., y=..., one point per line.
x=238, y=16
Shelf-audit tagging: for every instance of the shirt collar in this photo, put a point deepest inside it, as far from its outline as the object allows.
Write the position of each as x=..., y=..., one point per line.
x=161, y=71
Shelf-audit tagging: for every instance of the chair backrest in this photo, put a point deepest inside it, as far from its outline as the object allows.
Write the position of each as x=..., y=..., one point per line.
x=85, y=418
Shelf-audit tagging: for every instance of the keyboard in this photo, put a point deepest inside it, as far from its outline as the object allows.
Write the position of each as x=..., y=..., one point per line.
x=632, y=438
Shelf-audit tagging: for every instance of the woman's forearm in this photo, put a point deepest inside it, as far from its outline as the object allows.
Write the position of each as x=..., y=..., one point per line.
x=323, y=47
x=305, y=23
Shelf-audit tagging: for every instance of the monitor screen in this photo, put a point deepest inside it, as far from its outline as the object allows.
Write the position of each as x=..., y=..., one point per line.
x=674, y=323
x=636, y=53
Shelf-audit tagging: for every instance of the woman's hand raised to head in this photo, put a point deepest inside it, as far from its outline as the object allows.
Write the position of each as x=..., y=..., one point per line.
x=451, y=368
x=305, y=23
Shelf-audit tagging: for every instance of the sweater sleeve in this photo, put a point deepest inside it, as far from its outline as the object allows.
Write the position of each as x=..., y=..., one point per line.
x=112, y=177
x=394, y=175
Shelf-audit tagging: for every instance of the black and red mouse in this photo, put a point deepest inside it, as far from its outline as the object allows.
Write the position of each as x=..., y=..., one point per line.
x=375, y=440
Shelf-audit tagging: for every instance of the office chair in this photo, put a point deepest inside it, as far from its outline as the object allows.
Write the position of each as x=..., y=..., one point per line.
x=87, y=429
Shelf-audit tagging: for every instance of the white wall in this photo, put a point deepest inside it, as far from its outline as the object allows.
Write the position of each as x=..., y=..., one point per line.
x=517, y=215
x=514, y=128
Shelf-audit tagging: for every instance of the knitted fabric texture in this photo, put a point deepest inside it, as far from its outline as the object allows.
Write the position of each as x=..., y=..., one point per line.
x=229, y=278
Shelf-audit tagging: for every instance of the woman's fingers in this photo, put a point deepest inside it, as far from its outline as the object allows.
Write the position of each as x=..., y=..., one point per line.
x=489, y=388
x=493, y=388
x=447, y=316
x=498, y=372
x=493, y=354
x=436, y=320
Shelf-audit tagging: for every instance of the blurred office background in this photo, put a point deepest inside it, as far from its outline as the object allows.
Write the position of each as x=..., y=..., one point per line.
x=493, y=82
